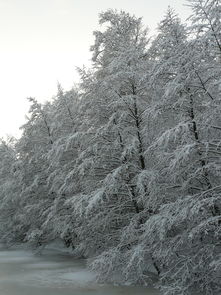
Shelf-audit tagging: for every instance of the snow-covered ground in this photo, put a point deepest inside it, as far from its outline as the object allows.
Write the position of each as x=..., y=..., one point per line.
x=52, y=273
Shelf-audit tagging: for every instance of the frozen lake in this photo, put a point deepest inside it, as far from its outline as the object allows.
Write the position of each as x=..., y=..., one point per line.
x=52, y=273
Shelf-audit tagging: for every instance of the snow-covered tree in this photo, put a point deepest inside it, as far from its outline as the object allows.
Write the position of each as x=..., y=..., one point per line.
x=10, y=190
x=114, y=98
x=32, y=149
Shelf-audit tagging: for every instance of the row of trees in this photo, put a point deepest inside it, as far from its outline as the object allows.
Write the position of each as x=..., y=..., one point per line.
x=126, y=169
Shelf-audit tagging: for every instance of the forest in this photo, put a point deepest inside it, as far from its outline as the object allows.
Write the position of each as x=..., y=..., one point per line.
x=125, y=168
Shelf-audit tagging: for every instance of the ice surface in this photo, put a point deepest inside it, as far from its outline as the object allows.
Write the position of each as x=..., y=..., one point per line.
x=23, y=273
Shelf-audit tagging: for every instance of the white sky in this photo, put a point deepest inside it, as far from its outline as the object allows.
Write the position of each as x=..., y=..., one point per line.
x=41, y=42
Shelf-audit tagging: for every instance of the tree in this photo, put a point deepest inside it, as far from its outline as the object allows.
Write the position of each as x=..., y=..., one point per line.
x=10, y=193
x=32, y=150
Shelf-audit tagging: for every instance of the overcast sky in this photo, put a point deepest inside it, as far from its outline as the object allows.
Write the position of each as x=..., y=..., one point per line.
x=41, y=42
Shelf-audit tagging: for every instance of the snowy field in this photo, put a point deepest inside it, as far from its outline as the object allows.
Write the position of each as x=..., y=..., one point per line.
x=52, y=273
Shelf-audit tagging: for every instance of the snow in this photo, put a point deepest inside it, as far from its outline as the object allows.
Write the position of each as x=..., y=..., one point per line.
x=53, y=273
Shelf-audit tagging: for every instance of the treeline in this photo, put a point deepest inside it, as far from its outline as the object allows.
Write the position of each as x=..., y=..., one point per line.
x=126, y=168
